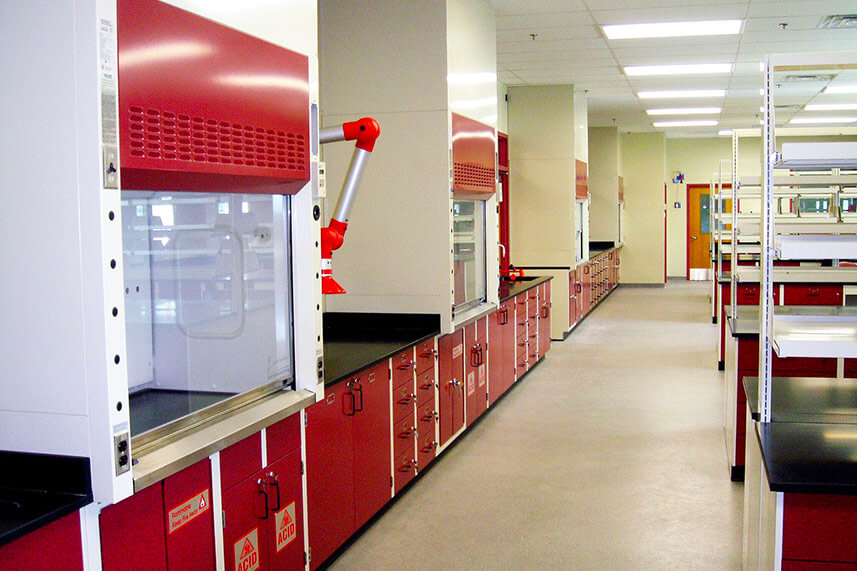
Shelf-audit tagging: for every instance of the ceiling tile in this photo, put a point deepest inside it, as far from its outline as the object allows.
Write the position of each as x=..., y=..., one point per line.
x=544, y=33
x=788, y=8
x=549, y=45
x=544, y=20
x=505, y=7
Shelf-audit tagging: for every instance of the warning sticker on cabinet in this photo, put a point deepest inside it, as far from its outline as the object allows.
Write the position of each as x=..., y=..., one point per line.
x=247, y=551
x=189, y=510
x=457, y=351
x=482, y=375
x=287, y=529
x=471, y=386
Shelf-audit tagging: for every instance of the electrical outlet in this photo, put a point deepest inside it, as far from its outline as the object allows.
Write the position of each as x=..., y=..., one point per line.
x=122, y=452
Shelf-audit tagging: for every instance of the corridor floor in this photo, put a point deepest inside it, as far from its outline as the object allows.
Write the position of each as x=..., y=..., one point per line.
x=607, y=455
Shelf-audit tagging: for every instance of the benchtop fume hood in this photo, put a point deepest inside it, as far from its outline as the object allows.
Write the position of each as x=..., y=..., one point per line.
x=198, y=249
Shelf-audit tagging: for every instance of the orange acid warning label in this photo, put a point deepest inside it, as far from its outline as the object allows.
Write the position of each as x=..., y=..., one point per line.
x=247, y=551
x=287, y=529
x=189, y=510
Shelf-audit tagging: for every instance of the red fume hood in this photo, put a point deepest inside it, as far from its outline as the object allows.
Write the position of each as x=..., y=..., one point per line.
x=203, y=107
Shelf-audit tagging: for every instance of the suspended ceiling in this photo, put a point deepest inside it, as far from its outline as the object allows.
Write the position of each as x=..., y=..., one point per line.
x=543, y=42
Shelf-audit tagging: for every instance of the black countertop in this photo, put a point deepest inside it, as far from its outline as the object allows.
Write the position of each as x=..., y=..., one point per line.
x=807, y=399
x=811, y=444
x=809, y=458
x=36, y=489
x=509, y=289
x=354, y=341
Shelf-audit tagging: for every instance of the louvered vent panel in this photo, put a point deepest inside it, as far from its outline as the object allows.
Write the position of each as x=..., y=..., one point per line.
x=175, y=136
x=472, y=175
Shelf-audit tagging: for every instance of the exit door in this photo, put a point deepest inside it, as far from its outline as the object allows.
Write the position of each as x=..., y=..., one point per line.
x=699, y=229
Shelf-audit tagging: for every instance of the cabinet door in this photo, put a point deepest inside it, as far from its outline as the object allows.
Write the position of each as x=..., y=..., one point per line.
x=285, y=523
x=496, y=379
x=142, y=513
x=450, y=383
x=245, y=529
x=58, y=546
x=475, y=342
x=329, y=471
x=545, y=319
x=189, y=519
x=371, y=432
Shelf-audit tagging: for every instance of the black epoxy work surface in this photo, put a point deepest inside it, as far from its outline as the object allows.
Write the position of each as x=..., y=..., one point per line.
x=509, y=289
x=807, y=399
x=809, y=458
x=354, y=341
x=36, y=489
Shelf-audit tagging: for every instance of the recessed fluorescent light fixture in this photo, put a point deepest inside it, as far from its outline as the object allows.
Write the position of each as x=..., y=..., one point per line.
x=831, y=107
x=724, y=132
x=703, y=123
x=672, y=29
x=681, y=94
x=841, y=89
x=681, y=69
x=811, y=120
x=685, y=111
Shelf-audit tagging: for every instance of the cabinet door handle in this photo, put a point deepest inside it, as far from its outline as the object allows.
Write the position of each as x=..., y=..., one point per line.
x=275, y=483
x=359, y=390
x=264, y=492
x=407, y=433
x=353, y=403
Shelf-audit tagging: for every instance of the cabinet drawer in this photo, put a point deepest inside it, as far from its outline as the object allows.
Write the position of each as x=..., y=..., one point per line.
x=748, y=360
x=241, y=460
x=403, y=366
x=819, y=294
x=404, y=436
x=748, y=294
x=404, y=400
x=404, y=468
x=426, y=419
x=425, y=387
x=427, y=448
x=426, y=355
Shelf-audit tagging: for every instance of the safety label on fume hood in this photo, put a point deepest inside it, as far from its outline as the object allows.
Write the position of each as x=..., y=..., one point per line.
x=287, y=529
x=189, y=510
x=247, y=551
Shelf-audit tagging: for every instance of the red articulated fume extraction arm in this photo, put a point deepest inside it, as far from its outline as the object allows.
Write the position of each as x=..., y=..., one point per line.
x=365, y=131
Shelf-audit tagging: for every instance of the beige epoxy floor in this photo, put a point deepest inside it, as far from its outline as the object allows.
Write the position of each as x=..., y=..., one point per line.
x=607, y=455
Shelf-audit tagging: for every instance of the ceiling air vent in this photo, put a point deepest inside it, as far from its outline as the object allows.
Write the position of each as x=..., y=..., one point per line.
x=808, y=77
x=838, y=22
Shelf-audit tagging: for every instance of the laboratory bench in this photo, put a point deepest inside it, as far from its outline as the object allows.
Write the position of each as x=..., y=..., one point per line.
x=397, y=394
x=579, y=288
x=38, y=489
x=801, y=480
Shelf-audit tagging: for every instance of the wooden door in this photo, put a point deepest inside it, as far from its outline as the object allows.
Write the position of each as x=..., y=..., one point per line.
x=698, y=225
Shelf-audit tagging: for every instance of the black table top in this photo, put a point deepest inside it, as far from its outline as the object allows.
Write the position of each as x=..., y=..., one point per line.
x=509, y=289
x=354, y=341
x=809, y=457
x=36, y=489
x=807, y=399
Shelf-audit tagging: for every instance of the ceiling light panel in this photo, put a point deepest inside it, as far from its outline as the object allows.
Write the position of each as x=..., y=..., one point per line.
x=682, y=94
x=694, y=123
x=680, y=69
x=841, y=88
x=831, y=107
x=685, y=111
x=672, y=29
x=821, y=120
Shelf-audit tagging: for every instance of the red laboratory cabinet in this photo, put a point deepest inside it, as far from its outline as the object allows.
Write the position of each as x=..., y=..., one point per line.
x=476, y=368
x=451, y=384
x=501, y=351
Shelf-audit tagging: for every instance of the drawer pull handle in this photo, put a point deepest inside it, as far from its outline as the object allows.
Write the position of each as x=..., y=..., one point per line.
x=408, y=433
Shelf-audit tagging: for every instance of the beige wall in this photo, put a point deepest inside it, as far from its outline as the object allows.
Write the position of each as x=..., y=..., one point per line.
x=643, y=163
x=541, y=175
x=698, y=159
x=604, y=184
